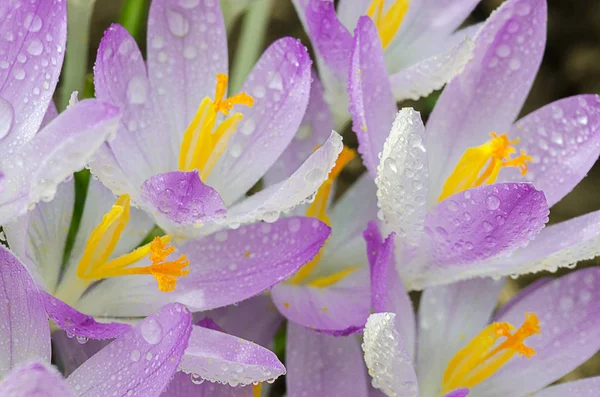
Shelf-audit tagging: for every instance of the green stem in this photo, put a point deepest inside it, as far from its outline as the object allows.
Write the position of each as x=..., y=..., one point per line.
x=134, y=14
x=251, y=42
x=76, y=59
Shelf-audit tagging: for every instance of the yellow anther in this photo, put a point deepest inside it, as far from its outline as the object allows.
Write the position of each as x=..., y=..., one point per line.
x=94, y=264
x=389, y=22
x=481, y=165
x=256, y=390
x=204, y=141
x=480, y=359
x=318, y=209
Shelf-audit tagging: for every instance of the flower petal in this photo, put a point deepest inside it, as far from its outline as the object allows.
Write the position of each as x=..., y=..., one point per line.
x=372, y=103
x=70, y=353
x=64, y=146
x=180, y=198
x=187, y=48
x=339, y=309
x=316, y=127
x=568, y=309
x=387, y=359
x=219, y=357
x=280, y=85
x=449, y=317
x=33, y=46
x=35, y=379
x=323, y=365
x=25, y=332
x=186, y=385
x=402, y=178
x=589, y=387
x=145, y=358
x=564, y=140
x=488, y=95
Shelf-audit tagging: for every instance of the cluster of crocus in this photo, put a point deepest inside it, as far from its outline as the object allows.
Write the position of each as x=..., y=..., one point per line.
x=449, y=208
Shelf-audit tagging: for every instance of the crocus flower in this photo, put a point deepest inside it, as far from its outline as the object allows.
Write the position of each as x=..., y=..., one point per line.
x=436, y=186
x=179, y=152
x=423, y=48
x=461, y=347
x=35, y=154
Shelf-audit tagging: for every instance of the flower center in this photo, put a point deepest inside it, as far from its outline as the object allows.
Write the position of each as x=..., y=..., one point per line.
x=482, y=164
x=480, y=359
x=204, y=141
x=389, y=22
x=94, y=264
x=318, y=209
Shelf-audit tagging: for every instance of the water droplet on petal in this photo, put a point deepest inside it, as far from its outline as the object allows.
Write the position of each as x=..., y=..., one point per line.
x=493, y=202
x=35, y=47
x=151, y=331
x=137, y=90
x=178, y=24
x=33, y=23
x=189, y=3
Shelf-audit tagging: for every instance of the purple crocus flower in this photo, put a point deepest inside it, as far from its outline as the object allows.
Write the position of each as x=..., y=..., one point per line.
x=423, y=48
x=434, y=183
x=35, y=154
x=185, y=151
x=461, y=347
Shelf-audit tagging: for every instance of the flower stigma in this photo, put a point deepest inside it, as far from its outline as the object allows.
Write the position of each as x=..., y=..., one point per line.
x=204, y=141
x=480, y=359
x=389, y=22
x=471, y=170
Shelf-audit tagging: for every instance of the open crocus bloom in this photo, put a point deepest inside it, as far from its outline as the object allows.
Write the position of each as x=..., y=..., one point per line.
x=36, y=154
x=462, y=347
x=186, y=151
x=423, y=49
x=436, y=186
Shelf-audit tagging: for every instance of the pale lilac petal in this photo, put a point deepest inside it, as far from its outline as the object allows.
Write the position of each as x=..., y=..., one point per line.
x=569, y=312
x=25, y=333
x=564, y=140
x=142, y=146
x=188, y=385
x=458, y=393
x=65, y=145
x=489, y=94
x=70, y=353
x=280, y=85
x=403, y=179
x=226, y=268
x=144, y=359
x=35, y=379
x=219, y=357
x=387, y=358
x=33, y=44
x=486, y=221
x=180, y=197
x=323, y=365
x=187, y=48
x=51, y=114
x=589, y=387
x=349, y=11
x=79, y=324
x=316, y=127
x=301, y=186
x=387, y=291
x=449, y=317
x=372, y=103
x=339, y=309
x=430, y=74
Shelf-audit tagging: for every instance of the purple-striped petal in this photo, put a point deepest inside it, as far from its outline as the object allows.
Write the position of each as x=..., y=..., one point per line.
x=322, y=365
x=339, y=309
x=181, y=198
x=187, y=48
x=33, y=47
x=488, y=95
x=280, y=85
x=387, y=358
x=316, y=127
x=33, y=172
x=186, y=385
x=218, y=357
x=24, y=333
x=79, y=324
x=589, y=387
x=569, y=312
x=144, y=359
x=564, y=140
x=372, y=103
x=35, y=379
x=484, y=222
x=70, y=353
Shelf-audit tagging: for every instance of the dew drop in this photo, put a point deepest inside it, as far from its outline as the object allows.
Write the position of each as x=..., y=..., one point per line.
x=151, y=331
x=190, y=52
x=137, y=90
x=248, y=127
x=177, y=23
x=503, y=51
x=492, y=202
x=236, y=150
x=135, y=355
x=19, y=74
x=189, y=3
x=33, y=23
x=35, y=47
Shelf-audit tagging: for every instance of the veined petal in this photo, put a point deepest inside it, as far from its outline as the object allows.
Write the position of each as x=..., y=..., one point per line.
x=35, y=379
x=70, y=353
x=186, y=385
